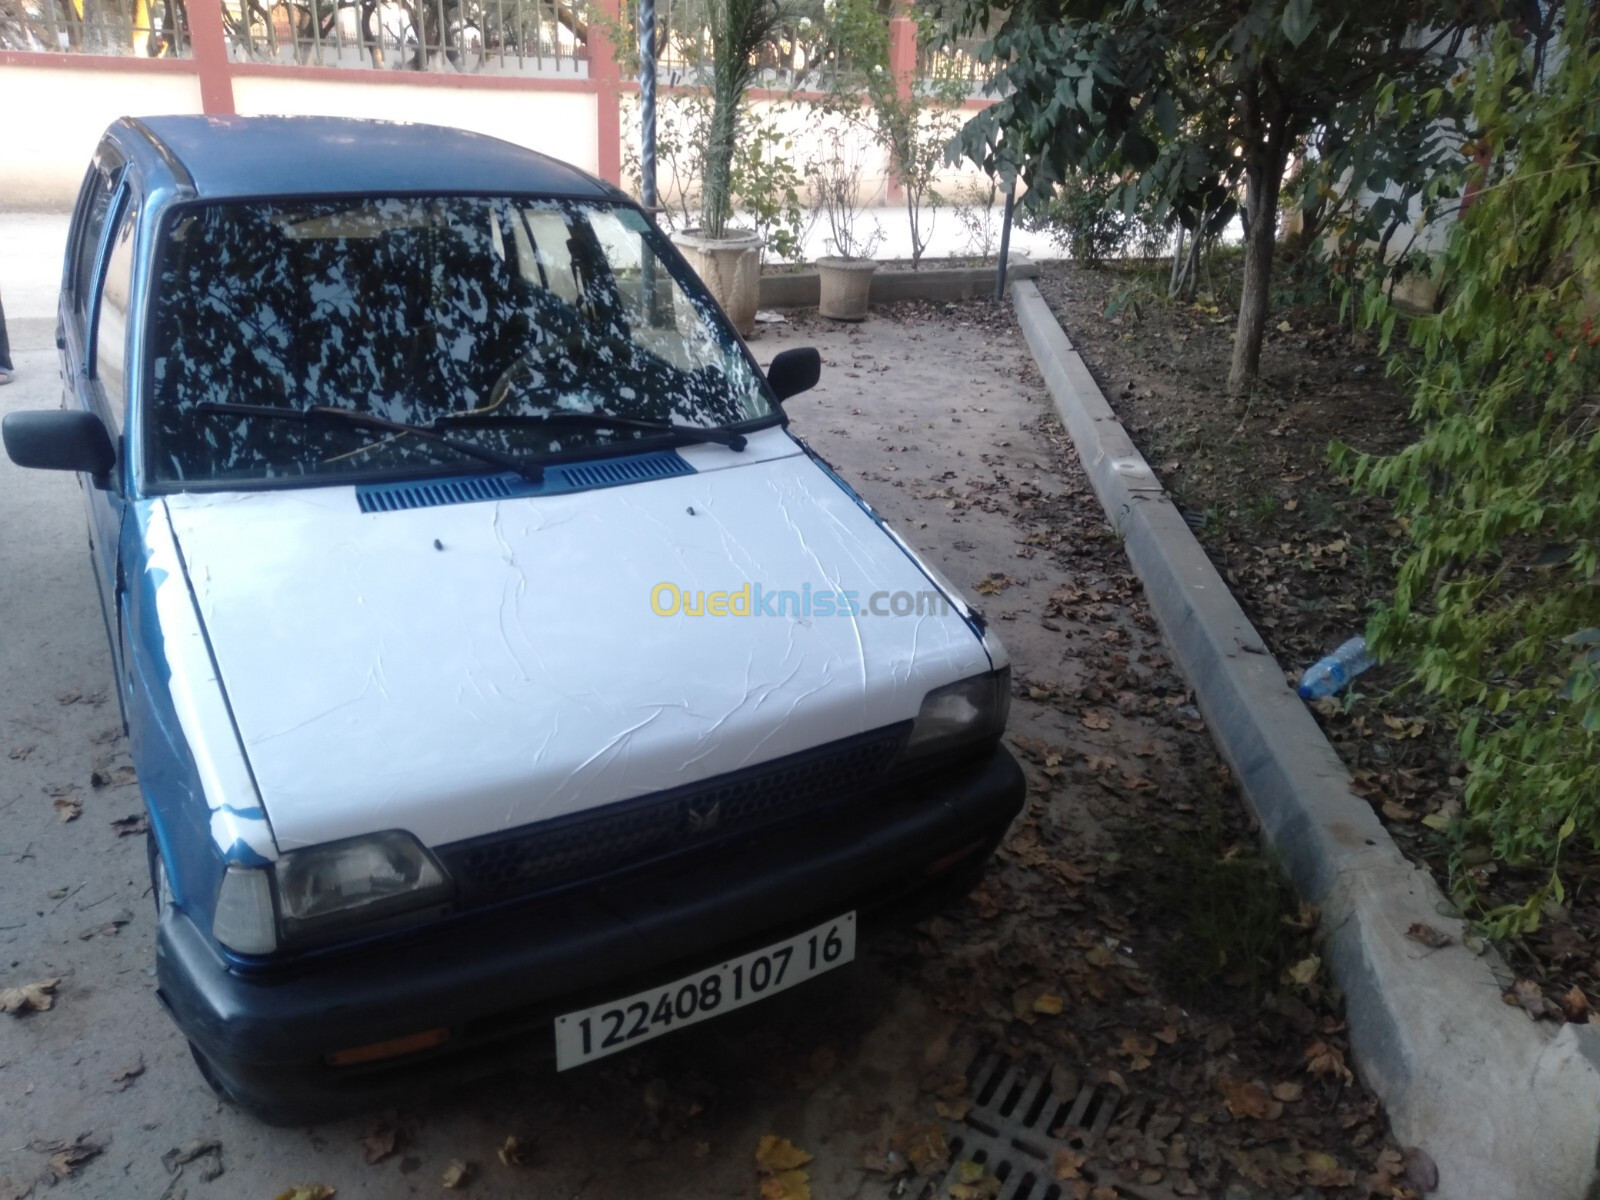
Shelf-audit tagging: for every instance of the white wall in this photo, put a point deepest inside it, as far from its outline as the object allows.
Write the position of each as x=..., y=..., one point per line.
x=561, y=124
x=54, y=119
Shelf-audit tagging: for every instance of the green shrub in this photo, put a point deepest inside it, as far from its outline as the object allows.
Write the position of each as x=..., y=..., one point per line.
x=1085, y=220
x=1496, y=605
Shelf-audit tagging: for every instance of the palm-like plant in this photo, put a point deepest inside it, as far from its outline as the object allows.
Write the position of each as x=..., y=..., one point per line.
x=739, y=29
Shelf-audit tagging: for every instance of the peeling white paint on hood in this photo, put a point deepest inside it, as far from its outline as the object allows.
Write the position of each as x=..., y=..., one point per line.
x=519, y=673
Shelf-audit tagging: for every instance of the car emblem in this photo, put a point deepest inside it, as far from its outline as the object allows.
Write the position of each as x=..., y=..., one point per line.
x=704, y=820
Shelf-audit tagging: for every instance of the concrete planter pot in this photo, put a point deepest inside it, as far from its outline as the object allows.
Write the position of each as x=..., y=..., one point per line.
x=845, y=286
x=730, y=267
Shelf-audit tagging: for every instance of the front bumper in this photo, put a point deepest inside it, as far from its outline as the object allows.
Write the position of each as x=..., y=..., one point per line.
x=498, y=979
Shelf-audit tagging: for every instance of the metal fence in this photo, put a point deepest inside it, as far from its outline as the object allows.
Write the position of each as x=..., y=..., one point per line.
x=490, y=37
x=955, y=60
x=133, y=28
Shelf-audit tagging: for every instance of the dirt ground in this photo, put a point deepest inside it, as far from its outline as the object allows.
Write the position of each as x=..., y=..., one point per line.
x=1129, y=950
x=1307, y=558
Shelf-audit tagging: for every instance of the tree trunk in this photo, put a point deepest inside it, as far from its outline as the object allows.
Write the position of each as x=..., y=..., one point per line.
x=1261, y=201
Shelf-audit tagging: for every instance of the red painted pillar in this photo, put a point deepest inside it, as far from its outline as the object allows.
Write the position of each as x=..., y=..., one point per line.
x=210, y=45
x=903, y=69
x=607, y=78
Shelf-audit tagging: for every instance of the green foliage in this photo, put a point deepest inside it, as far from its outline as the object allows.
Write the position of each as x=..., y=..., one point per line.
x=1084, y=219
x=764, y=182
x=1495, y=608
x=738, y=30
x=912, y=121
x=1184, y=101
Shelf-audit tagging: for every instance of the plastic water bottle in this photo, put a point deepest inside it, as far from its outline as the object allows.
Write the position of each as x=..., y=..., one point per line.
x=1329, y=675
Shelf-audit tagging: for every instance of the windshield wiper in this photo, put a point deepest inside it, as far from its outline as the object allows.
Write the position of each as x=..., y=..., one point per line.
x=532, y=472
x=714, y=434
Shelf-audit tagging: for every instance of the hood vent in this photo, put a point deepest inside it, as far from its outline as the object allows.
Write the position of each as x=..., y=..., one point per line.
x=558, y=478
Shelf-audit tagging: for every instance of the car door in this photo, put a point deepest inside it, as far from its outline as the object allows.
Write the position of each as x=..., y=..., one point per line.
x=94, y=309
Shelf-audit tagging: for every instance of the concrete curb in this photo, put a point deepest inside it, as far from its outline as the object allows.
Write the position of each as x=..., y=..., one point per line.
x=1508, y=1109
x=801, y=289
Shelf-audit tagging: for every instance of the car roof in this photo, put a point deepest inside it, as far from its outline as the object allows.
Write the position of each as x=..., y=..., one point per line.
x=300, y=156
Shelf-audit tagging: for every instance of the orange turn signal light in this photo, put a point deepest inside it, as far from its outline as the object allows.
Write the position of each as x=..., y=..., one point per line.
x=951, y=859
x=393, y=1048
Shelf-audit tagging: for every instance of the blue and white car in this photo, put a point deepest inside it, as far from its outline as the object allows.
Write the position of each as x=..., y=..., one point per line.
x=503, y=678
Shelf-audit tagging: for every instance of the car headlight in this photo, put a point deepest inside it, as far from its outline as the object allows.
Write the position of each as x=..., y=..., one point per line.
x=971, y=710
x=363, y=879
x=360, y=879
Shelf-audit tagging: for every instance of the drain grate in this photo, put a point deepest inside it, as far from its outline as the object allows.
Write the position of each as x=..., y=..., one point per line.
x=1017, y=1124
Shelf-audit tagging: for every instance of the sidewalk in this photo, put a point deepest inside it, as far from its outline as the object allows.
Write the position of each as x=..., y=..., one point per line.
x=31, y=249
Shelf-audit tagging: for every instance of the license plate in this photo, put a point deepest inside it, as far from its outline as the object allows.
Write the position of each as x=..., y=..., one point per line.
x=593, y=1033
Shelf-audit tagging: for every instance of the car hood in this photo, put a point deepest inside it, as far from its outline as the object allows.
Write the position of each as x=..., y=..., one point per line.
x=462, y=669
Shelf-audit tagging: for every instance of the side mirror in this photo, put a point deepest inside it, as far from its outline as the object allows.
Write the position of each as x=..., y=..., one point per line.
x=795, y=371
x=59, y=441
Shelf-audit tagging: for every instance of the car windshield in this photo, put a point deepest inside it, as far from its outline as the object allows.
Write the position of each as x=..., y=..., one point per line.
x=475, y=316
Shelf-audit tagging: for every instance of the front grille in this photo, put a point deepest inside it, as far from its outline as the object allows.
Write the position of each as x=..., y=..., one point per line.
x=631, y=833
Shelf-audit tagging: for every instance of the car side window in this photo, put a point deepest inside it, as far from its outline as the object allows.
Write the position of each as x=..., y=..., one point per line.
x=110, y=340
x=94, y=205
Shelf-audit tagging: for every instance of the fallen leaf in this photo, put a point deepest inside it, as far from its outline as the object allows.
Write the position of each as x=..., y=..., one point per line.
x=108, y=928
x=1096, y=721
x=1247, y=1100
x=113, y=777
x=123, y=1076
x=307, y=1191
x=1304, y=972
x=974, y=1183
x=1421, y=931
x=1324, y=1171
x=1525, y=994
x=15, y=1189
x=514, y=1154
x=1396, y=811
x=380, y=1143
x=1048, y=1004
x=457, y=1175
x=30, y=997
x=775, y=1154
x=1287, y=1092
x=953, y=1110
x=993, y=584
x=1323, y=1060
x=67, y=1157
x=1575, y=1004
x=923, y=1146
x=1067, y=1164
x=131, y=826
x=786, y=1185
x=68, y=808
x=1138, y=1050
x=189, y=1151
x=1284, y=327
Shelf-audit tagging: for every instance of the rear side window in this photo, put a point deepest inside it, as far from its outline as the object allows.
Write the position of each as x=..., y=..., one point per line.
x=96, y=204
x=111, y=318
